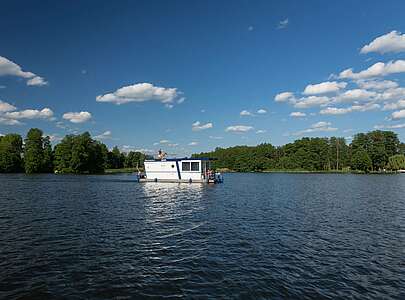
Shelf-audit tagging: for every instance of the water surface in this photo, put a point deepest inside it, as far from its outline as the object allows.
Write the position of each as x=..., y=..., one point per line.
x=257, y=236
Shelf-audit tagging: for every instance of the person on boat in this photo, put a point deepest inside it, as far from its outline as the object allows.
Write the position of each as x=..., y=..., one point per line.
x=161, y=154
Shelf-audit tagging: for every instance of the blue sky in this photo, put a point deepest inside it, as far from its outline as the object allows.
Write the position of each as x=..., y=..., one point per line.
x=188, y=76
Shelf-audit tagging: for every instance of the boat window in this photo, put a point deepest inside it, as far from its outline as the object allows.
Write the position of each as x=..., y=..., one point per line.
x=185, y=166
x=195, y=166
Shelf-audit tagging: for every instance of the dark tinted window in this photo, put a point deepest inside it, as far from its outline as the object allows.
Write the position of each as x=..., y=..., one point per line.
x=185, y=166
x=195, y=166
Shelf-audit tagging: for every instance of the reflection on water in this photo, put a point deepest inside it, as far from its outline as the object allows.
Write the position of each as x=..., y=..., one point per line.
x=258, y=236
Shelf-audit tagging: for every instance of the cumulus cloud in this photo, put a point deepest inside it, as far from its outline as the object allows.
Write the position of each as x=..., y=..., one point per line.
x=37, y=81
x=215, y=137
x=283, y=24
x=284, y=97
x=390, y=42
x=396, y=126
x=245, y=113
x=317, y=127
x=77, y=117
x=238, y=128
x=262, y=111
x=6, y=121
x=297, y=114
x=164, y=141
x=376, y=84
x=261, y=131
x=6, y=107
x=396, y=105
x=311, y=101
x=324, y=87
x=193, y=143
x=142, y=92
x=9, y=68
x=376, y=70
x=400, y=114
x=197, y=126
x=353, y=108
x=355, y=95
x=45, y=113
x=106, y=135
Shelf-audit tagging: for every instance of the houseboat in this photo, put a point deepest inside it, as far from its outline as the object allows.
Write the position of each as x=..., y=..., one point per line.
x=190, y=170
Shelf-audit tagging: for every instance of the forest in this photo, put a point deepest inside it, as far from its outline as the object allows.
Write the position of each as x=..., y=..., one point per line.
x=76, y=154
x=373, y=151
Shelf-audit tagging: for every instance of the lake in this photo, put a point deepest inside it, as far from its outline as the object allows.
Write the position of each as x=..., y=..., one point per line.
x=256, y=236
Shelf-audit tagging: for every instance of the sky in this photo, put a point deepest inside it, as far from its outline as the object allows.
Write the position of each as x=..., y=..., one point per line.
x=190, y=76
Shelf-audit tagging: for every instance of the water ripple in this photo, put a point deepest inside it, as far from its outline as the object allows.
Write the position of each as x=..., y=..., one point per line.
x=258, y=236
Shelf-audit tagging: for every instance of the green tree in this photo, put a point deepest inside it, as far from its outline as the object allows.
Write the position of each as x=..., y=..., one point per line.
x=33, y=151
x=397, y=162
x=47, y=164
x=361, y=161
x=10, y=153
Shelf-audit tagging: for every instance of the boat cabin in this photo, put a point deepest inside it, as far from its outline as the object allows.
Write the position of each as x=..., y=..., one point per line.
x=180, y=170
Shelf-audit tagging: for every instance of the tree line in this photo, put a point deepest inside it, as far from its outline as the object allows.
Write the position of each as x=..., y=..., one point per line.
x=373, y=151
x=77, y=154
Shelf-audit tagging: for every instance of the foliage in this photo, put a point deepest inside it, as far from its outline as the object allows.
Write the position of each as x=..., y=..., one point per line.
x=80, y=154
x=11, y=153
x=368, y=151
x=33, y=151
x=361, y=161
x=396, y=162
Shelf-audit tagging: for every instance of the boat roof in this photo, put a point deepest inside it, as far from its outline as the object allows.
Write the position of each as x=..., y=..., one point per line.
x=184, y=158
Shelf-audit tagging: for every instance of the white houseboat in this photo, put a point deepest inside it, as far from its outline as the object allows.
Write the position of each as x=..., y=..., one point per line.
x=189, y=170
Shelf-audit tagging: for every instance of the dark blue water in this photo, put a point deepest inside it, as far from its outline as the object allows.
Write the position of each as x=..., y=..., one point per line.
x=257, y=236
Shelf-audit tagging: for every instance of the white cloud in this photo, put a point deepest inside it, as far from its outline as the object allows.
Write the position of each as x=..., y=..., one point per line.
x=400, y=114
x=284, y=97
x=197, y=126
x=9, y=68
x=106, y=135
x=245, y=113
x=172, y=145
x=311, y=101
x=260, y=131
x=355, y=95
x=142, y=92
x=376, y=70
x=37, y=81
x=6, y=121
x=193, y=144
x=393, y=106
x=6, y=107
x=283, y=24
x=53, y=137
x=353, y=108
x=215, y=137
x=377, y=84
x=297, y=114
x=390, y=42
x=164, y=141
x=317, y=127
x=128, y=148
x=45, y=113
x=77, y=117
x=396, y=126
x=324, y=87
x=238, y=128
x=261, y=111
